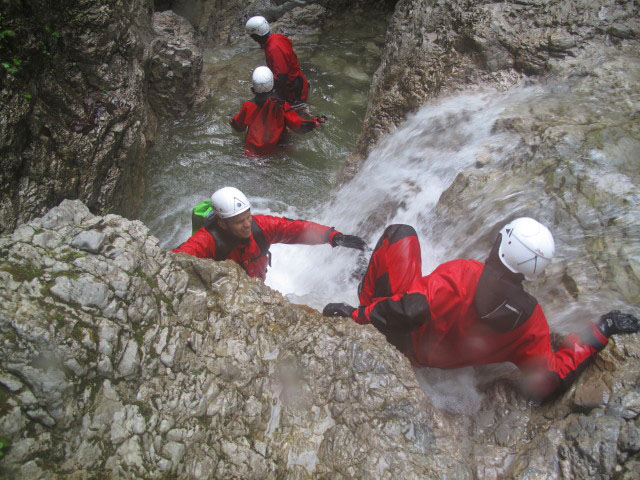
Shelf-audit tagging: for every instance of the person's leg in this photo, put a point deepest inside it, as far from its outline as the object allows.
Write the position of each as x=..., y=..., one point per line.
x=395, y=263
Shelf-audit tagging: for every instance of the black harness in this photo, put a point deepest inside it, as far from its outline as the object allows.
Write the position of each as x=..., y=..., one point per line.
x=500, y=300
x=225, y=242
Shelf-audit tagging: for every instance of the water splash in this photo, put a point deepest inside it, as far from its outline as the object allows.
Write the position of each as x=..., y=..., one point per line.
x=400, y=182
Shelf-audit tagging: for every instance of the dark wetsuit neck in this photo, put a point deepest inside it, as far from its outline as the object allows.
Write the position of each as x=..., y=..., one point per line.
x=500, y=300
x=261, y=98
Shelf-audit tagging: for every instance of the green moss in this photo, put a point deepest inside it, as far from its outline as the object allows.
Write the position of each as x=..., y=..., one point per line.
x=153, y=284
x=5, y=395
x=10, y=335
x=22, y=273
x=69, y=256
x=138, y=335
x=145, y=410
x=79, y=330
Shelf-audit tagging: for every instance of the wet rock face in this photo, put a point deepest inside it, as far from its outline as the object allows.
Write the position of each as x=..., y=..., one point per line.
x=434, y=48
x=174, y=66
x=74, y=121
x=120, y=359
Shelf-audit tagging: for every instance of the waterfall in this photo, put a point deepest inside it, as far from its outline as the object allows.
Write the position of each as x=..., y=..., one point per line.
x=400, y=182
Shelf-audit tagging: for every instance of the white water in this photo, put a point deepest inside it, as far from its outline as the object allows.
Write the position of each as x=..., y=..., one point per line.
x=400, y=182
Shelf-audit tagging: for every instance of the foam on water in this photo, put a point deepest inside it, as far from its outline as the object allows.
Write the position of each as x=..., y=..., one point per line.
x=400, y=182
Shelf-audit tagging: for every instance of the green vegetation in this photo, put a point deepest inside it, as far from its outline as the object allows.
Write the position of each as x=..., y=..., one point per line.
x=4, y=444
x=22, y=273
x=24, y=45
x=10, y=64
x=145, y=410
x=69, y=256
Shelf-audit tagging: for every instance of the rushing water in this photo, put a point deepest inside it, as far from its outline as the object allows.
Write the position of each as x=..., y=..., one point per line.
x=400, y=182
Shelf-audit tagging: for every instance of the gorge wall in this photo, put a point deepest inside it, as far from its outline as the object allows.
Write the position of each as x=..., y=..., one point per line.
x=74, y=121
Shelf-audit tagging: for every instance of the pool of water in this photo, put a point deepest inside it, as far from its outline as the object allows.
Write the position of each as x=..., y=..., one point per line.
x=195, y=155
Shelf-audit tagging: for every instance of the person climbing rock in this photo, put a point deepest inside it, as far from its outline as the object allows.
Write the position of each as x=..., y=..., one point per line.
x=232, y=232
x=290, y=83
x=266, y=116
x=468, y=313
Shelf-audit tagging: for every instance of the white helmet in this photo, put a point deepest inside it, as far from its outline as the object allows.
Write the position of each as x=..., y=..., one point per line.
x=526, y=247
x=257, y=26
x=229, y=202
x=262, y=80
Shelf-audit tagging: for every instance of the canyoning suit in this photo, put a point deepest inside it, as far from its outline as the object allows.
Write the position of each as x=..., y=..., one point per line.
x=253, y=253
x=266, y=117
x=290, y=82
x=464, y=313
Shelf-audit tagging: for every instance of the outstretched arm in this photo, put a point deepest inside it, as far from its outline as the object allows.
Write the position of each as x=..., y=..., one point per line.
x=298, y=124
x=549, y=372
x=285, y=230
x=401, y=313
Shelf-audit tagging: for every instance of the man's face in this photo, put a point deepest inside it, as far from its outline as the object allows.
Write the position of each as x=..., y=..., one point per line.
x=238, y=226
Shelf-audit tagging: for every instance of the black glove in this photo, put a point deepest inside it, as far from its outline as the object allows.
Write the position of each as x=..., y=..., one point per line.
x=337, y=310
x=616, y=322
x=349, y=241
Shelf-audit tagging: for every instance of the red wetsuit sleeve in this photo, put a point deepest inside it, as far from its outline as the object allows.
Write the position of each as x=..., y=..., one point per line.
x=285, y=230
x=548, y=371
x=296, y=122
x=200, y=244
x=240, y=121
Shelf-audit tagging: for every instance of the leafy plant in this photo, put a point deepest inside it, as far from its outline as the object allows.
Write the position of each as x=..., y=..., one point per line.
x=11, y=67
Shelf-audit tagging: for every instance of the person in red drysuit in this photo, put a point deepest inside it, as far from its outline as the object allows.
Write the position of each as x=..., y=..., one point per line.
x=233, y=233
x=266, y=117
x=290, y=83
x=468, y=313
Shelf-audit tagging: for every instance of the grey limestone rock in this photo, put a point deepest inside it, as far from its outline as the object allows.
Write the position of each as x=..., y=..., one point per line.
x=193, y=370
x=90, y=241
x=435, y=48
x=174, y=65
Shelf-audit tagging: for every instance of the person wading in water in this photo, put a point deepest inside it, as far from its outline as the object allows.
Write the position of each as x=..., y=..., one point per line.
x=290, y=83
x=266, y=116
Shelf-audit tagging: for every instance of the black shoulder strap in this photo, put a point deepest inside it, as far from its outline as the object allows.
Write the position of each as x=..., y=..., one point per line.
x=224, y=244
x=258, y=235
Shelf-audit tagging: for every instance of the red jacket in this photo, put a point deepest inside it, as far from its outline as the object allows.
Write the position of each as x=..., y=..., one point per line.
x=266, y=124
x=249, y=254
x=280, y=57
x=452, y=335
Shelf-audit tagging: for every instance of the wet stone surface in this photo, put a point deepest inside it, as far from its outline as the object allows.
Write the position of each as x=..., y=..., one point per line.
x=139, y=362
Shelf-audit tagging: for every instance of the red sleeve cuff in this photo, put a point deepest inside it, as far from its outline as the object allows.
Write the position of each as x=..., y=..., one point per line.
x=332, y=233
x=359, y=316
